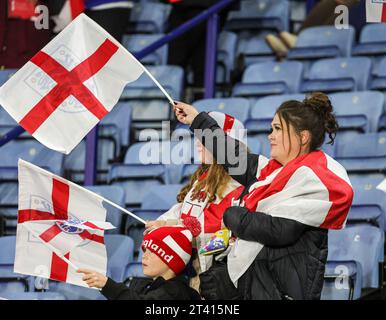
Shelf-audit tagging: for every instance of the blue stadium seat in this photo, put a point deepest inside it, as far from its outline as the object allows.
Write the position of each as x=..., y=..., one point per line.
x=236, y=107
x=6, y=74
x=254, y=49
x=148, y=17
x=120, y=252
x=259, y=144
x=34, y=296
x=369, y=203
x=323, y=42
x=358, y=110
x=187, y=171
x=264, y=109
x=342, y=280
x=161, y=197
x=269, y=78
x=372, y=40
x=339, y=74
x=115, y=126
x=31, y=151
x=134, y=43
x=361, y=243
x=134, y=270
x=74, y=163
x=261, y=14
x=115, y=194
x=11, y=282
x=6, y=122
x=73, y=292
x=226, y=51
x=170, y=77
x=379, y=76
x=364, y=152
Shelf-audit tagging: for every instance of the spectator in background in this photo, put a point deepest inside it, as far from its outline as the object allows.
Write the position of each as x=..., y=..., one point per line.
x=19, y=39
x=112, y=15
x=323, y=13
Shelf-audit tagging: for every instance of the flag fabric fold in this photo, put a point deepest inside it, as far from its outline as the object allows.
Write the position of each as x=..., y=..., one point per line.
x=70, y=85
x=57, y=218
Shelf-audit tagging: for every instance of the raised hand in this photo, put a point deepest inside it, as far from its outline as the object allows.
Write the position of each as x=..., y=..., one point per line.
x=185, y=113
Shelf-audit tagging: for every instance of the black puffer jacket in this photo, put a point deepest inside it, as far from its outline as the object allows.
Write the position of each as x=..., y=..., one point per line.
x=292, y=262
x=176, y=288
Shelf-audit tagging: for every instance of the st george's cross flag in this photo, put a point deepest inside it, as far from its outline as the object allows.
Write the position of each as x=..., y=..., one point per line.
x=60, y=227
x=375, y=10
x=71, y=84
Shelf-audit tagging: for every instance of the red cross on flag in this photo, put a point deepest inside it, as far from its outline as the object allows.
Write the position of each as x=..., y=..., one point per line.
x=70, y=85
x=60, y=227
x=375, y=10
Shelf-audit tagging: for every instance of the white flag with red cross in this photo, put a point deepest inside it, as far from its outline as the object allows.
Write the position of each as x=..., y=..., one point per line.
x=70, y=85
x=375, y=10
x=60, y=227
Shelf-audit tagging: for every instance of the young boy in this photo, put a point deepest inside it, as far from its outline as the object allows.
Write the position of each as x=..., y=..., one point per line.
x=167, y=250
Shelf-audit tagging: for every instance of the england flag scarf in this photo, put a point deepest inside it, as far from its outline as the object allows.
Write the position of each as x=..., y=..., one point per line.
x=312, y=189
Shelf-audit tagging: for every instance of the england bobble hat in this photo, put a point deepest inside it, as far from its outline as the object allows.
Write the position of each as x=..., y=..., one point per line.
x=172, y=244
x=231, y=126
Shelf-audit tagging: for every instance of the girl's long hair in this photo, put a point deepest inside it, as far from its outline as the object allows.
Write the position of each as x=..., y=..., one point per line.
x=213, y=184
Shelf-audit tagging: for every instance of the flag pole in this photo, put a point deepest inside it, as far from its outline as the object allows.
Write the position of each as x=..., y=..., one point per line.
x=53, y=249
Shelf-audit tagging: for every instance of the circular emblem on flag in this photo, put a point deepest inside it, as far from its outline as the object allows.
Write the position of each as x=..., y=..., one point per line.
x=71, y=226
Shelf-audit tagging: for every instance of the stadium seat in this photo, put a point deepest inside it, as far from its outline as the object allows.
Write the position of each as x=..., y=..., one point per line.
x=361, y=243
x=259, y=144
x=254, y=49
x=372, y=40
x=6, y=74
x=148, y=17
x=323, y=42
x=264, y=109
x=11, y=282
x=120, y=252
x=6, y=122
x=116, y=126
x=379, y=76
x=73, y=292
x=358, y=110
x=34, y=296
x=342, y=280
x=134, y=43
x=369, y=203
x=226, y=51
x=187, y=171
x=161, y=197
x=134, y=270
x=269, y=78
x=339, y=74
x=364, y=152
x=170, y=77
x=236, y=107
x=116, y=195
x=260, y=14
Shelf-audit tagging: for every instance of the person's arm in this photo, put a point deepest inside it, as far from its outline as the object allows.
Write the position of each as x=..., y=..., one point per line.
x=260, y=227
x=240, y=164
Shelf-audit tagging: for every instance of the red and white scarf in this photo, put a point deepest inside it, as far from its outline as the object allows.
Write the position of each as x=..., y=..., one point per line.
x=209, y=215
x=313, y=189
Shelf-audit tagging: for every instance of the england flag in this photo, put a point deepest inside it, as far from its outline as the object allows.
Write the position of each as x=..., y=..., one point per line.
x=376, y=10
x=70, y=85
x=60, y=227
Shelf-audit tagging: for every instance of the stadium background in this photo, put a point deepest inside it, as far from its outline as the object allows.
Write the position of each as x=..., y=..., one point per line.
x=250, y=83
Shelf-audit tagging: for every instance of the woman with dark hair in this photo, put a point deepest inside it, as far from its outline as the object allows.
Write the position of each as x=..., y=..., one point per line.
x=289, y=203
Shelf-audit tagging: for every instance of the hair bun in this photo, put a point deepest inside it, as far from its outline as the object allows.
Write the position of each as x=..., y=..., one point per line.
x=321, y=104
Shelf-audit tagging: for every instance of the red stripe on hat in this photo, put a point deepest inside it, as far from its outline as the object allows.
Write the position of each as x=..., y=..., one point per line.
x=228, y=123
x=383, y=16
